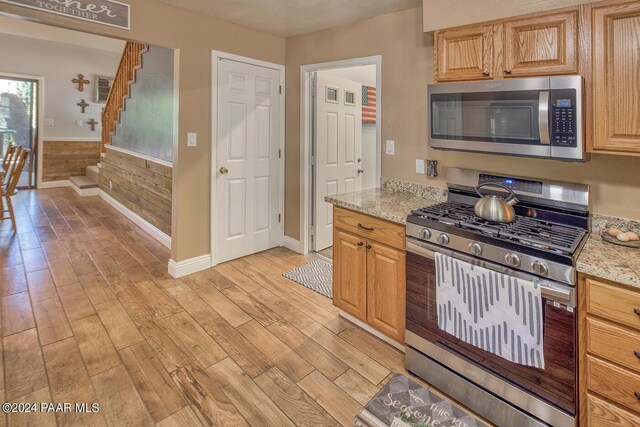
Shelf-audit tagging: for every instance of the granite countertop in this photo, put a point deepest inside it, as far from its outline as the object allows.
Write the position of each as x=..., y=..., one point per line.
x=599, y=259
x=610, y=262
x=382, y=203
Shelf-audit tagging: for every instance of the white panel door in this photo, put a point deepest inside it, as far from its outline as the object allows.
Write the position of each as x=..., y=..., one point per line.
x=247, y=165
x=338, y=147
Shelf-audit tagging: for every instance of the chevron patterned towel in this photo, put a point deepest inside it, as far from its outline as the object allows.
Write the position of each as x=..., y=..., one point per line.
x=316, y=275
x=490, y=310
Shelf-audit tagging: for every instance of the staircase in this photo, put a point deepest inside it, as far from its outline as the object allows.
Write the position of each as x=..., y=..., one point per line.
x=130, y=62
x=86, y=185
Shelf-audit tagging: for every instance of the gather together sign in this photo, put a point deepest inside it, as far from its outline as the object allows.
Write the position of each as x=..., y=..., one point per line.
x=107, y=12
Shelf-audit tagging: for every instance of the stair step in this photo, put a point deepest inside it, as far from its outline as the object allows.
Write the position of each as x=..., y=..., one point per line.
x=83, y=182
x=93, y=172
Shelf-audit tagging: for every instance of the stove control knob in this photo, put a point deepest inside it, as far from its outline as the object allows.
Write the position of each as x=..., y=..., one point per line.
x=512, y=259
x=425, y=234
x=540, y=268
x=443, y=239
x=475, y=248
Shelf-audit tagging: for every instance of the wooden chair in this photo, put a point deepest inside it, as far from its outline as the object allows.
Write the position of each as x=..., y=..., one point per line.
x=8, y=163
x=10, y=189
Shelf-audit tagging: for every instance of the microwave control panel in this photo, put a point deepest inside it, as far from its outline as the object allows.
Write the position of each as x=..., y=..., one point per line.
x=564, y=120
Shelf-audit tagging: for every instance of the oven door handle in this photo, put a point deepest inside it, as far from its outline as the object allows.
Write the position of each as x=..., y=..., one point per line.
x=559, y=293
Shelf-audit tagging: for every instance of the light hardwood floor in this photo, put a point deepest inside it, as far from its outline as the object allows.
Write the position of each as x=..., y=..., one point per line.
x=89, y=314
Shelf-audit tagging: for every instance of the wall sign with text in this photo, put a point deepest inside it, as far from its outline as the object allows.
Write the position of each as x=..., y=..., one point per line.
x=106, y=12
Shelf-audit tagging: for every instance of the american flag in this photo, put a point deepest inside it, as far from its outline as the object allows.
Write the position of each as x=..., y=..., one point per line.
x=368, y=104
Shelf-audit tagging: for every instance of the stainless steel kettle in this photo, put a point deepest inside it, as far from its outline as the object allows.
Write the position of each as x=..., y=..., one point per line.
x=495, y=208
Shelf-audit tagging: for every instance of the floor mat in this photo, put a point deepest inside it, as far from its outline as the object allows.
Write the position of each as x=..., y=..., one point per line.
x=403, y=403
x=316, y=275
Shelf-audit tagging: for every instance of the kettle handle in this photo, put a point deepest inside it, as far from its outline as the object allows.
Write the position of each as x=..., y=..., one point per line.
x=512, y=196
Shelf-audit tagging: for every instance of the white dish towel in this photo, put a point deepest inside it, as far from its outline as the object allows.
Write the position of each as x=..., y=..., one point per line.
x=490, y=310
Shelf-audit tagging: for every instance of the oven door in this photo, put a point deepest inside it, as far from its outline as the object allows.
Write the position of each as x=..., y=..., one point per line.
x=507, y=117
x=550, y=393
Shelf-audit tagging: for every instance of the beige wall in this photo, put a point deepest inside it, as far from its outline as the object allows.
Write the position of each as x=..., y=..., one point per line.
x=195, y=35
x=440, y=14
x=407, y=68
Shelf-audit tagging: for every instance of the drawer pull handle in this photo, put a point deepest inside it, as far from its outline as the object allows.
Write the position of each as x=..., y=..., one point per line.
x=371, y=229
x=368, y=246
x=637, y=353
x=637, y=311
x=360, y=243
x=637, y=393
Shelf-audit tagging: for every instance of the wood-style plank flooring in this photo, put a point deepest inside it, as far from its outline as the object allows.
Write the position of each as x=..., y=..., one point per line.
x=90, y=315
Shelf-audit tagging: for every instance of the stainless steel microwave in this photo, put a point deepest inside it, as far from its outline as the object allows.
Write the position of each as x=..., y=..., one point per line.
x=533, y=117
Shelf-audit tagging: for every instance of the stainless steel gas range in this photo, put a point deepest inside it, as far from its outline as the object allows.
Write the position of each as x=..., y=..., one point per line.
x=540, y=247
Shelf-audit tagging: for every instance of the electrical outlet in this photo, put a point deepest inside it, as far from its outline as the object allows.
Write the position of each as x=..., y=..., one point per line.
x=390, y=147
x=79, y=123
x=420, y=166
x=49, y=122
x=191, y=139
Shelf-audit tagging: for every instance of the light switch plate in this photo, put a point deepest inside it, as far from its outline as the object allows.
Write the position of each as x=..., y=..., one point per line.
x=79, y=123
x=49, y=122
x=390, y=147
x=192, y=139
x=420, y=166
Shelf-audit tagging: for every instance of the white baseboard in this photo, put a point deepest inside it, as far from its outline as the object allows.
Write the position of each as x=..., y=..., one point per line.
x=293, y=244
x=138, y=220
x=189, y=266
x=86, y=192
x=54, y=184
x=372, y=331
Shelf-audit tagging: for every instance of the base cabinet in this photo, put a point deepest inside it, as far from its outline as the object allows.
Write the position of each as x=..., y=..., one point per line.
x=609, y=343
x=369, y=275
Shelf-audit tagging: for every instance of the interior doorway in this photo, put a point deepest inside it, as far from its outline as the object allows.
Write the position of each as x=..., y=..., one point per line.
x=340, y=124
x=19, y=118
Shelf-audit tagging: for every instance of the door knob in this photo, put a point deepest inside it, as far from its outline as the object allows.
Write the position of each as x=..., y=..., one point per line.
x=224, y=170
x=360, y=171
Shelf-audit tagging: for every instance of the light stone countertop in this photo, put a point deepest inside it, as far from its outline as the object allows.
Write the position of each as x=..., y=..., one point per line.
x=385, y=204
x=608, y=261
x=598, y=258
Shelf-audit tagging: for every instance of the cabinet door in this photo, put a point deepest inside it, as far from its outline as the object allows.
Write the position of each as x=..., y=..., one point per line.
x=349, y=273
x=464, y=54
x=541, y=45
x=616, y=86
x=386, y=290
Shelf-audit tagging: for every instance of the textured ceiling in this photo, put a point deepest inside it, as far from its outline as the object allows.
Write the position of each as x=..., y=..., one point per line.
x=292, y=17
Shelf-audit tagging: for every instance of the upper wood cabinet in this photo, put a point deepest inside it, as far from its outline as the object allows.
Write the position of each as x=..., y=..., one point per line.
x=615, y=78
x=465, y=54
x=541, y=45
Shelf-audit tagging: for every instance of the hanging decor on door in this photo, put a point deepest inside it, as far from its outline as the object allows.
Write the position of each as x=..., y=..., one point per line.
x=105, y=12
x=368, y=104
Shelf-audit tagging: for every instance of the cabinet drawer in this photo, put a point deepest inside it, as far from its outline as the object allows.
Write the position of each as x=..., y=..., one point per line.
x=369, y=227
x=614, y=343
x=613, y=303
x=604, y=414
x=616, y=384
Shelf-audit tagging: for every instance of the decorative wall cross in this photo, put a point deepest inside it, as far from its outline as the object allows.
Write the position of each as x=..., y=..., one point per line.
x=93, y=124
x=82, y=104
x=80, y=81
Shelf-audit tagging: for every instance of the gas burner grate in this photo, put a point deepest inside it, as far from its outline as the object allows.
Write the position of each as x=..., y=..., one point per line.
x=527, y=231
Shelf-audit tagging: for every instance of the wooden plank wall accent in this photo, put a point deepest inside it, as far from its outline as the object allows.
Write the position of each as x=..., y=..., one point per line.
x=143, y=186
x=62, y=159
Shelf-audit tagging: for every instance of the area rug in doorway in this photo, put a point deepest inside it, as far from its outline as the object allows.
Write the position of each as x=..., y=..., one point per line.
x=403, y=403
x=316, y=275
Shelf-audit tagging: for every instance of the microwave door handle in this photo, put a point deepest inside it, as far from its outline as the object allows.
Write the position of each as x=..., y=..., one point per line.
x=543, y=117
